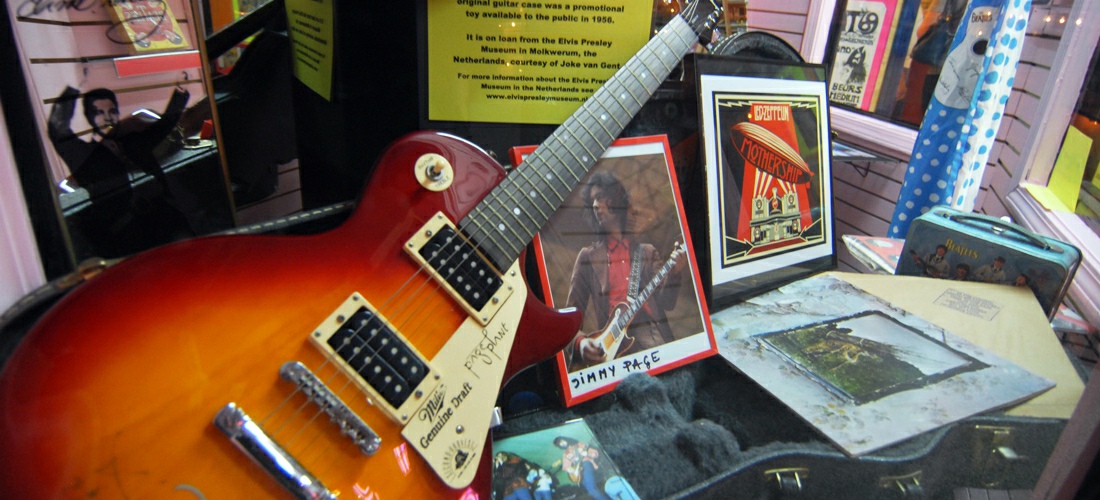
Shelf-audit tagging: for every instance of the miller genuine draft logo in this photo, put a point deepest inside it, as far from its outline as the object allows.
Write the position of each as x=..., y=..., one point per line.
x=461, y=455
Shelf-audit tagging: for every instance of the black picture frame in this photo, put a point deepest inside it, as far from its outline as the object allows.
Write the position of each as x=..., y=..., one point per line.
x=757, y=270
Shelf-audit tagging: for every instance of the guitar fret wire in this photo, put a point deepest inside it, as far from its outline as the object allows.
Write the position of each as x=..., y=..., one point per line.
x=520, y=205
x=494, y=208
x=661, y=59
x=525, y=175
x=613, y=117
x=601, y=123
x=630, y=110
x=687, y=35
x=652, y=82
x=627, y=110
x=480, y=244
x=573, y=174
x=585, y=147
x=590, y=134
x=573, y=153
x=632, y=96
x=562, y=162
x=491, y=234
x=577, y=176
x=630, y=69
x=537, y=153
x=647, y=67
x=512, y=195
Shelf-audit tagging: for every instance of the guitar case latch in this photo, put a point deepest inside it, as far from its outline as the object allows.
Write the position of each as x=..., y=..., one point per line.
x=906, y=486
x=994, y=455
x=788, y=480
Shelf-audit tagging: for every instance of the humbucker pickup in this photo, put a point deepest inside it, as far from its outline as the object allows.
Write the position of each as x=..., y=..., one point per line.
x=455, y=262
x=380, y=360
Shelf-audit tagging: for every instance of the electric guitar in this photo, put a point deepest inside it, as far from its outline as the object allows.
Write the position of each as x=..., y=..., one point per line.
x=613, y=337
x=364, y=361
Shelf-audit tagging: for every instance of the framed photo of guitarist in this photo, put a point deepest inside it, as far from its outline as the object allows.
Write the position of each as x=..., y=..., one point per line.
x=618, y=250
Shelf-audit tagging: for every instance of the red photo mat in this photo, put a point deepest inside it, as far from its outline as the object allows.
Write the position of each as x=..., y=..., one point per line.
x=644, y=166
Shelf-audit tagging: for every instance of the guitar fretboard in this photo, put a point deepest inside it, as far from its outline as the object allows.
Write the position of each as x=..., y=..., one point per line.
x=635, y=304
x=514, y=211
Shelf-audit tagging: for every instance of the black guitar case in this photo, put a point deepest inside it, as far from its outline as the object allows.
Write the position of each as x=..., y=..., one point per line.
x=707, y=431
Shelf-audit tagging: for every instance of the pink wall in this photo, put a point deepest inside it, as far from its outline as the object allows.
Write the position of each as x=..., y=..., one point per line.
x=20, y=269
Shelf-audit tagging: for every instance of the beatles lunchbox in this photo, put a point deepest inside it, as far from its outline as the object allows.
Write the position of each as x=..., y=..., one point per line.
x=948, y=244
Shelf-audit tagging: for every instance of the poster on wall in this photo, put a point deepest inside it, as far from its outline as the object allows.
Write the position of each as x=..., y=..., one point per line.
x=768, y=175
x=526, y=62
x=865, y=34
x=147, y=26
x=619, y=251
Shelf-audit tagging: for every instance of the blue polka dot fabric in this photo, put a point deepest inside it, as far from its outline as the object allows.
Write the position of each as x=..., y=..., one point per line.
x=966, y=108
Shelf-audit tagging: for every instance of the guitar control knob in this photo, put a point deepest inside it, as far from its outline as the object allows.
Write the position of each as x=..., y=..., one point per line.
x=434, y=172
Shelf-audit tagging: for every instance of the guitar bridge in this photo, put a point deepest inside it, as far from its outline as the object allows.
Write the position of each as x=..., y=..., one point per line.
x=454, y=262
x=376, y=357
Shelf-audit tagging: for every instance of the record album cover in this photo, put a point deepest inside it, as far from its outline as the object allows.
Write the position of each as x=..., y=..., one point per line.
x=863, y=372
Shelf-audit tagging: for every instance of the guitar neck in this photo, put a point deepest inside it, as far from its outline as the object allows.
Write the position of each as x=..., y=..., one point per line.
x=517, y=208
x=644, y=294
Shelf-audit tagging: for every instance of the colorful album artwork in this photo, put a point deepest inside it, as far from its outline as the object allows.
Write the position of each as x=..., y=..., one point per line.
x=561, y=462
x=869, y=355
x=768, y=158
x=862, y=371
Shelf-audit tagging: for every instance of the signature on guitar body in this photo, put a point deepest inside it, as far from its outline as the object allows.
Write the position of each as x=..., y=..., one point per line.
x=365, y=360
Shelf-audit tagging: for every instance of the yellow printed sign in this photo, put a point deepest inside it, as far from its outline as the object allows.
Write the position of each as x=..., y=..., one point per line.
x=512, y=61
x=310, y=26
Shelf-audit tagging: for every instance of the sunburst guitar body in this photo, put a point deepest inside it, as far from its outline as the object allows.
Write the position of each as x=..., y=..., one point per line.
x=114, y=393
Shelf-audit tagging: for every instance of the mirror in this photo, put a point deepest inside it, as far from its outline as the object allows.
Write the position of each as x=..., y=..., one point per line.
x=119, y=90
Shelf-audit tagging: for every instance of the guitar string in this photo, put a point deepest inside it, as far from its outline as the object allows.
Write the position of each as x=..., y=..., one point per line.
x=424, y=282
x=332, y=357
x=392, y=318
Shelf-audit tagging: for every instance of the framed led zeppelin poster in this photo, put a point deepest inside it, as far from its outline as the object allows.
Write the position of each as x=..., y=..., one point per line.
x=767, y=161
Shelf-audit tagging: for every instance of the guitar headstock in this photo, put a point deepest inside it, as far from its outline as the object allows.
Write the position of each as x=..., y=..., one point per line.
x=703, y=16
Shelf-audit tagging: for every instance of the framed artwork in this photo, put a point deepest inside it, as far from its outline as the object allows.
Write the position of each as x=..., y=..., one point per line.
x=866, y=31
x=767, y=218
x=619, y=250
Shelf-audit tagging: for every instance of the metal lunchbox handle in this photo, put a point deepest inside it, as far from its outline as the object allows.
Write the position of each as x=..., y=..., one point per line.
x=978, y=221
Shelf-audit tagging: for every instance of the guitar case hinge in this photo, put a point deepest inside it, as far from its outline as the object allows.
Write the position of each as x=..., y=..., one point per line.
x=905, y=486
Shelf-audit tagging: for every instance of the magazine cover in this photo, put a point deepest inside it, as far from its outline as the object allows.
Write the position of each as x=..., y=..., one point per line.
x=146, y=25
x=863, y=372
x=562, y=462
x=618, y=250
